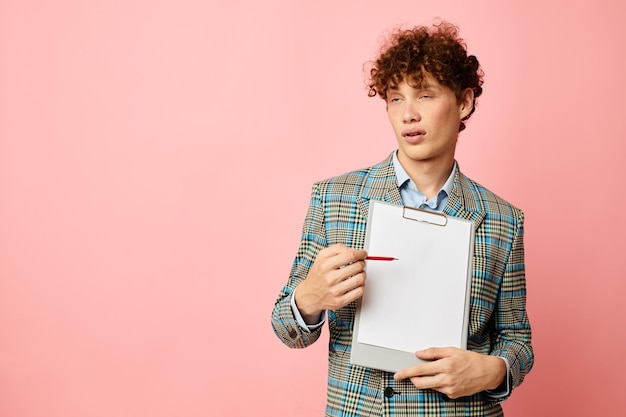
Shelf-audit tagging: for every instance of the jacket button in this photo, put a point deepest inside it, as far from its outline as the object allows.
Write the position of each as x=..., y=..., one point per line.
x=389, y=392
x=293, y=333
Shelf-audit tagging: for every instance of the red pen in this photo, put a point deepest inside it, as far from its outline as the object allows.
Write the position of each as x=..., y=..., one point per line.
x=380, y=258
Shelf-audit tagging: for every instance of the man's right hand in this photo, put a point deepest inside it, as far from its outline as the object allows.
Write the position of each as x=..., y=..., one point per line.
x=335, y=280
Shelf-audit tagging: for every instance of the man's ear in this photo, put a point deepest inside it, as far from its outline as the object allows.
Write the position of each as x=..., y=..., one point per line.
x=467, y=103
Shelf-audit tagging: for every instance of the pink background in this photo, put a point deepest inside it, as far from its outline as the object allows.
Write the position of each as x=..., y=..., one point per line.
x=156, y=159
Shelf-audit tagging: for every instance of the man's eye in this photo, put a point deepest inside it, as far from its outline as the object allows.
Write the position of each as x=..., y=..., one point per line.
x=394, y=100
x=425, y=97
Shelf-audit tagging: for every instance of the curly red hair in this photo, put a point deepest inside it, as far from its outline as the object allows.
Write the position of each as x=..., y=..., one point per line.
x=438, y=51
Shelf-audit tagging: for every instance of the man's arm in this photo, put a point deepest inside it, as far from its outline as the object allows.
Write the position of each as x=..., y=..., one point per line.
x=457, y=372
x=334, y=277
x=512, y=327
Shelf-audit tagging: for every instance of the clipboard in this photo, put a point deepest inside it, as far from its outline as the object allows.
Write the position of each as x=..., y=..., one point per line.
x=420, y=300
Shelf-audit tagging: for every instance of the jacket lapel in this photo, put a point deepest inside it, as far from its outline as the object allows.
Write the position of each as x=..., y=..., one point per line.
x=381, y=185
x=464, y=201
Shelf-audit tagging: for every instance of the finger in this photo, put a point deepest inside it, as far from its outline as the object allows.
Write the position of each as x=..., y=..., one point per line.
x=351, y=283
x=331, y=251
x=344, y=292
x=421, y=370
x=351, y=296
x=404, y=374
x=427, y=382
x=351, y=269
x=433, y=353
x=437, y=363
x=329, y=259
x=334, y=277
x=342, y=258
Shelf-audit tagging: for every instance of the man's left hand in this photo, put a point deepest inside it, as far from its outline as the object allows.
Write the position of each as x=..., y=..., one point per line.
x=455, y=372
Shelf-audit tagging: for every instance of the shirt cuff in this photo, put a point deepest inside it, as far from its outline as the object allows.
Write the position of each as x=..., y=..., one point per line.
x=306, y=327
x=505, y=388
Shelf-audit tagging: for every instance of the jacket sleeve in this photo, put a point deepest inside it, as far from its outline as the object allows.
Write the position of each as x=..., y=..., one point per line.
x=312, y=241
x=512, y=336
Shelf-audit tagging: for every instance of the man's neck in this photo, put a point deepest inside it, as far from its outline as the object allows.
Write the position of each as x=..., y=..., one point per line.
x=428, y=176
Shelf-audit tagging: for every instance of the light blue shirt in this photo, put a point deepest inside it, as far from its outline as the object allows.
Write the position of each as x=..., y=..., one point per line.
x=412, y=197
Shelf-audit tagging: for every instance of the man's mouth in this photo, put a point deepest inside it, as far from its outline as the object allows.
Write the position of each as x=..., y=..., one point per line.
x=412, y=133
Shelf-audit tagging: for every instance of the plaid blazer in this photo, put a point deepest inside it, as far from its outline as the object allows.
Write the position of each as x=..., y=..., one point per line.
x=498, y=323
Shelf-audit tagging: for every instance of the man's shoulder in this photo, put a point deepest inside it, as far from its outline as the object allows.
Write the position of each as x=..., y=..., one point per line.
x=381, y=171
x=351, y=177
x=490, y=201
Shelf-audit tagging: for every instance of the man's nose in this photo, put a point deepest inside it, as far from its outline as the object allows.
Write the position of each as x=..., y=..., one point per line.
x=411, y=113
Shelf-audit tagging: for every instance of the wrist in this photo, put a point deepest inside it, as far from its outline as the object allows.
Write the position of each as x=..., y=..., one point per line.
x=498, y=372
x=309, y=312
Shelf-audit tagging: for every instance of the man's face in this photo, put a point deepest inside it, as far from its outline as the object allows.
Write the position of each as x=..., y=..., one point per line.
x=426, y=121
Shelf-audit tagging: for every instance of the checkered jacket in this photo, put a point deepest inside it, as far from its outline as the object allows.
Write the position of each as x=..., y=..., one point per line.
x=498, y=322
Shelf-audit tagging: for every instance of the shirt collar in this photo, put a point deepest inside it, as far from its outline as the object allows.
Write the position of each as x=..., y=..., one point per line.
x=403, y=177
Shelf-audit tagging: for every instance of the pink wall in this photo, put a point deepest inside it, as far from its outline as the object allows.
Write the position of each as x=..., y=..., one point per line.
x=156, y=159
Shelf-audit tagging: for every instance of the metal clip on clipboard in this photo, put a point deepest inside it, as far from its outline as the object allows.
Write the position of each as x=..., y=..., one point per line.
x=423, y=216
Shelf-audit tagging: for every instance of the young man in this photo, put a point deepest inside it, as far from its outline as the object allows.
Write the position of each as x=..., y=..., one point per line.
x=430, y=86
